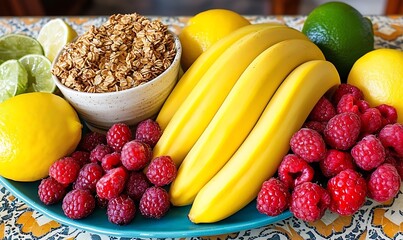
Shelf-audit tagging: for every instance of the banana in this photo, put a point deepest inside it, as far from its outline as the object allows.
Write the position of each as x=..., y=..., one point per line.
x=199, y=68
x=257, y=159
x=197, y=110
x=238, y=114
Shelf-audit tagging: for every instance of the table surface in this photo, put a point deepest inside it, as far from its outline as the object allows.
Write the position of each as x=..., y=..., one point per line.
x=374, y=221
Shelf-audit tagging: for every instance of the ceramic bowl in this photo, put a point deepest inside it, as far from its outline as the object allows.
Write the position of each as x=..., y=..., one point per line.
x=101, y=110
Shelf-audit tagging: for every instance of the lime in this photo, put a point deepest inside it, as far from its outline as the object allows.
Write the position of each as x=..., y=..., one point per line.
x=341, y=32
x=15, y=46
x=54, y=35
x=13, y=79
x=39, y=74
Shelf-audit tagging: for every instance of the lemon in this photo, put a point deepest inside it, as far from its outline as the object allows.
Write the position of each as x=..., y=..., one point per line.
x=13, y=79
x=36, y=129
x=39, y=73
x=380, y=77
x=54, y=35
x=341, y=32
x=206, y=28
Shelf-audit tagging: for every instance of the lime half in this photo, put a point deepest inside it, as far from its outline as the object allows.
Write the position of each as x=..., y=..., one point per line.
x=39, y=75
x=54, y=35
x=15, y=46
x=13, y=79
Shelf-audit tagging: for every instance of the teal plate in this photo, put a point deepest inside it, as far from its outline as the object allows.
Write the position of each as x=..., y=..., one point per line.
x=173, y=225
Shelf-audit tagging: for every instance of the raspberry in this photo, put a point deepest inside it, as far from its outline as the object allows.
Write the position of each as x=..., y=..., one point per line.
x=371, y=121
x=90, y=140
x=384, y=183
x=161, y=171
x=315, y=125
x=323, y=111
x=111, y=160
x=308, y=144
x=154, y=203
x=293, y=171
x=82, y=157
x=135, y=155
x=391, y=137
x=344, y=89
x=342, y=131
x=309, y=201
x=136, y=185
x=88, y=177
x=336, y=161
x=368, y=153
x=273, y=197
x=148, y=131
x=349, y=103
x=347, y=190
x=118, y=135
x=389, y=114
x=121, y=210
x=78, y=204
x=51, y=191
x=112, y=183
x=99, y=152
x=65, y=170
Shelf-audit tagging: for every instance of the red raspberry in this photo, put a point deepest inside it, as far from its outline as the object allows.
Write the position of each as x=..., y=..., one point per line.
x=82, y=157
x=315, y=125
x=111, y=160
x=161, y=171
x=293, y=171
x=135, y=155
x=323, y=111
x=342, y=131
x=78, y=204
x=118, y=135
x=112, y=183
x=368, y=153
x=389, y=114
x=348, y=190
x=88, y=177
x=349, y=103
x=391, y=137
x=136, y=185
x=148, y=131
x=273, y=197
x=90, y=140
x=344, y=89
x=99, y=152
x=308, y=144
x=371, y=121
x=384, y=183
x=121, y=210
x=309, y=201
x=65, y=170
x=51, y=191
x=336, y=161
x=154, y=203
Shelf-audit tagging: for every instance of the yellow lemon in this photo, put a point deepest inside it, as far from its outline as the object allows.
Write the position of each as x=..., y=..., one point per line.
x=380, y=77
x=36, y=129
x=204, y=29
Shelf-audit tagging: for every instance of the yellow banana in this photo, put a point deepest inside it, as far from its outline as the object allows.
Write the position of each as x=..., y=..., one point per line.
x=199, y=67
x=238, y=114
x=195, y=113
x=257, y=159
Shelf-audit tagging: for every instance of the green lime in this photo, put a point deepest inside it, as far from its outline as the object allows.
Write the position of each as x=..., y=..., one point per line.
x=15, y=46
x=39, y=74
x=13, y=79
x=341, y=32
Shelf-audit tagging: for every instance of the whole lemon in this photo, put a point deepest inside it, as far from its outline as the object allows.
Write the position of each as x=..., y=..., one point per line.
x=341, y=32
x=379, y=74
x=204, y=29
x=36, y=129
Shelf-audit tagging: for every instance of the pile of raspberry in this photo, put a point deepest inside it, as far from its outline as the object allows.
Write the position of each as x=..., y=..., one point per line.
x=345, y=152
x=115, y=171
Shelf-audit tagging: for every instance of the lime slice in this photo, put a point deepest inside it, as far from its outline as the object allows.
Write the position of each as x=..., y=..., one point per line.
x=54, y=35
x=13, y=79
x=15, y=46
x=39, y=75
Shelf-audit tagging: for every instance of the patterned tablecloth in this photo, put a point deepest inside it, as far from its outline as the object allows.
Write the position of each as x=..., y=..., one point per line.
x=373, y=221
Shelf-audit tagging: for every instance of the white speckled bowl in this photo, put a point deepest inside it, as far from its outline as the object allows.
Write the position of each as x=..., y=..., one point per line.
x=130, y=106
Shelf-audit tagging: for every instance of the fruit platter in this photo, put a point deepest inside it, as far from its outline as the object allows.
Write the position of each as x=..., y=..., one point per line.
x=295, y=143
